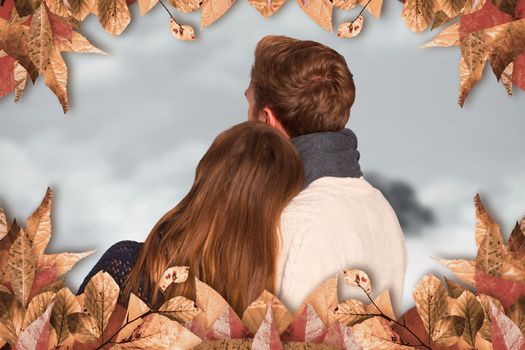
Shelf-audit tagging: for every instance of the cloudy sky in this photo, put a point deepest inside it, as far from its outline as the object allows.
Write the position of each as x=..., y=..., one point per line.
x=142, y=117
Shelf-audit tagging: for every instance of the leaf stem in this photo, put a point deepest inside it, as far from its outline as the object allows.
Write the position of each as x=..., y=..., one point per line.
x=359, y=14
x=168, y=11
x=122, y=327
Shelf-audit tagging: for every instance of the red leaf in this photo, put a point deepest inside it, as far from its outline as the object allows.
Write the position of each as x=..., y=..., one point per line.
x=518, y=75
x=7, y=80
x=488, y=16
x=59, y=26
x=340, y=336
x=307, y=327
x=227, y=326
x=36, y=335
x=505, y=291
x=7, y=9
x=267, y=336
x=520, y=9
x=43, y=277
x=506, y=335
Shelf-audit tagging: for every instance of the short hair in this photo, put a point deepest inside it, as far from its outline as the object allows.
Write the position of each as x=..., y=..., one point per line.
x=306, y=84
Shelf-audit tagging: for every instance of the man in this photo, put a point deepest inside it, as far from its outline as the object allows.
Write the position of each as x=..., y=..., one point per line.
x=339, y=221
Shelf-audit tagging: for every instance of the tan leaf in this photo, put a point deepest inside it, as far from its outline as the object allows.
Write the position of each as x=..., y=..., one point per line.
x=462, y=269
x=159, y=332
x=440, y=18
x=417, y=14
x=136, y=308
x=20, y=76
x=484, y=222
x=79, y=44
x=318, y=10
x=358, y=278
x=63, y=262
x=431, y=301
x=15, y=41
x=186, y=6
x=346, y=4
x=508, y=42
x=516, y=313
x=146, y=5
x=375, y=333
x=452, y=7
x=3, y=225
x=512, y=269
x=39, y=226
x=21, y=267
x=100, y=298
x=255, y=313
x=267, y=7
x=473, y=6
x=55, y=77
x=174, y=274
x=384, y=303
x=374, y=7
x=113, y=15
x=212, y=10
x=27, y=7
x=59, y=7
x=323, y=300
x=448, y=37
x=37, y=333
x=522, y=225
x=11, y=317
x=83, y=327
x=65, y=304
x=40, y=39
x=209, y=302
x=454, y=289
x=516, y=245
x=486, y=328
x=81, y=8
x=467, y=80
x=350, y=29
x=181, y=32
x=179, y=309
x=510, y=335
x=351, y=312
x=490, y=254
x=37, y=306
x=468, y=307
x=448, y=330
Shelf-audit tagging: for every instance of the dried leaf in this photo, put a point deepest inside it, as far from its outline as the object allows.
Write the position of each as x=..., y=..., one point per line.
x=146, y=5
x=267, y=336
x=431, y=301
x=186, y=6
x=16, y=44
x=417, y=14
x=159, y=332
x=318, y=10
x=383, y=304
x=507, y=292
x=508, y=42
x=484, y=222
x=39, y=227
x=468, y=307
x=40, y=42
x=452, y=7
x=100, y=298
x=351, y=312
x=491, y=252
x=65, y=304
x=323, y=299
x=374, y=7
x=448, y=37
x=358, y=278
x=21, y=268
x=341, y=337
x=79, y=44
x=37, y=306
x=136, y=308
x=505, y=333
x=212, y=10
x=55, y=77
x=486, y=328
x=81, y=8
x=181, y=32
x=448, y=330
x=179, y=309
x=27, y=7
x=267, y=7
x=255, y=313
x=516, y=245
x=63, y=262
x=306, y=327
x=440, y=18
x=3, y=225
x=83, y=327
x=59, y=7
x=507, y=6
x=350, y=29
x=113, y=15
x=454, y=289
x=20, y=77
x=210, y=302
x=346, y=4
x=375, y=333
x=36, y=335
x=227, y=326
x=516, y=313
x=11, y=317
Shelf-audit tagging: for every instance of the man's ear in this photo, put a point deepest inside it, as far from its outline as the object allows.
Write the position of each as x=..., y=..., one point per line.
x=272, y=120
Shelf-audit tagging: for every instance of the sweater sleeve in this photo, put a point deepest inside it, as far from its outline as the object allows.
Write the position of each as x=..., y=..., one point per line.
x=118, y=261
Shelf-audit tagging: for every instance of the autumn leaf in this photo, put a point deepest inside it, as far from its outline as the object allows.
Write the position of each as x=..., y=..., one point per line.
x=40, y=39
x=346, y=4
x=21, y=267
x=212, y=10
x=63, y=262
x=20, y=76
x=179, y=309
x=469, y=308
x=65, y=304
x=375, y=333
x=84, y=328
x=340, y=336
x=81, y=8
x=374, y=7
x=181, y=32
x=39, y=227
x=440, y=18
x=11, y=317
x=37, y=306
x=417, y=14
x=227, y=326
x=448, y=330
x=382, y=304
x=186, y=6
x=146, y=5
x=36, y=335
x=267, y=7
x=357, y=278
x=100, y=298
x=486, y=328
x=516, y=313
x=267, y=335
x=3, y=225
x=454, y=289
x=255, y=313
x=323, y=300
x=507, y=6
x=351, y=312
x=113, y=15
x=508, y=42
x=27, y=7
x=318, y=10
x=350, y=29
x=507, y=292
x=431, y=301
x=452, y=7
x=505, y=333
x=211, y=305
x=306, y=327
x=448, y=37
x=15, y=42
x=59, y=7
x=79, y=44
x=136, y=309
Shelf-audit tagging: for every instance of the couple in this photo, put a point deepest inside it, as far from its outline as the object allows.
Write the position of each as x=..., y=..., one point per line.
x=278, y=202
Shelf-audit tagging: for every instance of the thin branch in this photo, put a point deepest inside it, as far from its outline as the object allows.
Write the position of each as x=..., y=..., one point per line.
x=124, y=325
x=168, y=11
x=360, y=13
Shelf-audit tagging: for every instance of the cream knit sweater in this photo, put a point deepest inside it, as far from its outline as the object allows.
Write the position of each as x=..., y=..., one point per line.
x=335, y=224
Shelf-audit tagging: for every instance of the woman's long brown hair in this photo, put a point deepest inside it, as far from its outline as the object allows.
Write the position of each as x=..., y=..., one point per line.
x=226, y=229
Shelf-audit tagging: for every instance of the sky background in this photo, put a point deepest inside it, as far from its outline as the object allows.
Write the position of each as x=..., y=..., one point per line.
x=142, y=117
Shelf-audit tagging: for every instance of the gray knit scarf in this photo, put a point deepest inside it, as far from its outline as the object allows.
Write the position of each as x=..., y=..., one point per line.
x=328, y=154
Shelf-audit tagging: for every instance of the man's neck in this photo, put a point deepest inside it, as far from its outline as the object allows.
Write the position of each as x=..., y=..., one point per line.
x=328, y=154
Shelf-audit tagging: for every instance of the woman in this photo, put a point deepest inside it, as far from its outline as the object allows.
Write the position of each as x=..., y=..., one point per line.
x=225, y=229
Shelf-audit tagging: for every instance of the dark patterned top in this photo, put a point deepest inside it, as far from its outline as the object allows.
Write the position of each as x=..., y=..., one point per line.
x=118, y=261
